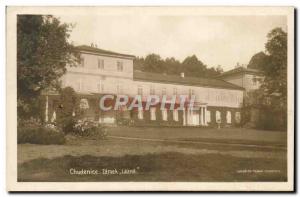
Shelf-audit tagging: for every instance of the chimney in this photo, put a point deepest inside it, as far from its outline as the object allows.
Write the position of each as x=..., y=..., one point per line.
x=182, y=75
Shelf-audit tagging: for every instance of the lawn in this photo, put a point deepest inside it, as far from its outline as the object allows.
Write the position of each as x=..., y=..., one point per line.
x=234, y=135
x=170, y=166
x=156, y=160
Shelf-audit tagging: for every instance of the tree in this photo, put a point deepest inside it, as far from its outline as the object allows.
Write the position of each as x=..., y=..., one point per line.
x=153, y=63
x=271, y=98
x=275, y=82
x=213, y=72
x=43, y=51
x=258, y=61
x=138, y=63
x=193, y=67
x=171, y=66
x=276, y=70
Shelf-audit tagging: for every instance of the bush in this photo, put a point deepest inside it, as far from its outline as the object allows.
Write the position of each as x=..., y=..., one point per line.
x=90, y=129
x=40, y=135
x=68, y=104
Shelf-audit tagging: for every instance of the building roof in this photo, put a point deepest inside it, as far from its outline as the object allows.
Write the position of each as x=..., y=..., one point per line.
x=192, y=81
x=85, y=48
x=240, y=70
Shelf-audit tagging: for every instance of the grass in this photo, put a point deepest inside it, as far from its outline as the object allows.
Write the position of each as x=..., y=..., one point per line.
x=159, y=161
x=233, y=135
x=169, y=166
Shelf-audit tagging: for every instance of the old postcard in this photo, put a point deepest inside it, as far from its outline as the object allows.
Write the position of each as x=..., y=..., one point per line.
x=150, y=98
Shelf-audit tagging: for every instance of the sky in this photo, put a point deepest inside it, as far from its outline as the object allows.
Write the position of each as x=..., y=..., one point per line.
x=215, y=40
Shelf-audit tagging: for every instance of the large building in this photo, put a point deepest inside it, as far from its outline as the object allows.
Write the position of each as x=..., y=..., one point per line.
x=104, y=72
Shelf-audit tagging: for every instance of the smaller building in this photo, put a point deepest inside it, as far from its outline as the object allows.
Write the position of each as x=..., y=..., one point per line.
x=248, y=78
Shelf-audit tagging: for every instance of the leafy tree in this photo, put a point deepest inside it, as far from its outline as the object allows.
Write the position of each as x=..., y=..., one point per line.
x=153, y=63
x=276, y=71
x=43, y=51
x=272, y=95
x=258, y=61
x=171, y=66
x=275, y=82
x=193, y=67
x=213, y=72
x=138, y=63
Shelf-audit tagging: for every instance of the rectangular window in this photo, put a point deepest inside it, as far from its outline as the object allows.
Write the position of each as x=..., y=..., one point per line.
x=140, y=90
x=120, y=66
x=175, y=115
x=140, y=114
x=164, y=114
x=100, y=64
x=152, y=113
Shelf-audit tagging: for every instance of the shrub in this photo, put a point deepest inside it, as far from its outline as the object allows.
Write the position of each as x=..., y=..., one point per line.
x=40, y=135
x=68, y=105
x=90, y=129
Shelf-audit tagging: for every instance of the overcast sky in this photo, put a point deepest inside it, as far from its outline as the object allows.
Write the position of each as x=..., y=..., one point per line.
x=223, y=40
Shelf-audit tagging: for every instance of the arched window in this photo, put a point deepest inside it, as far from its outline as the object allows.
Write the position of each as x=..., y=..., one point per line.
x=228, y=117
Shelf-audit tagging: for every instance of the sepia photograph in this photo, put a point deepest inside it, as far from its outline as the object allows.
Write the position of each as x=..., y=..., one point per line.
x=150, y=98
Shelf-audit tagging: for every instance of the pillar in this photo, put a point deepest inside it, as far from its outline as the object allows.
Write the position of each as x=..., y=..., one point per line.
x=184, y=118
x=46, y=110
x=205, y=121
x=203, y=116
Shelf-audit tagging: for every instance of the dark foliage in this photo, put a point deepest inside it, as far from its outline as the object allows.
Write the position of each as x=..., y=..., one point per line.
x=191, y=66
x=258, y=61
x=43, y=51
x=271, y=98
x=68, y=109
x=39, y=135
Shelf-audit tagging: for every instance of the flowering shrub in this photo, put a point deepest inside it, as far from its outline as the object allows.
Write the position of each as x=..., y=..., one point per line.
x=29, y=123
x=87, y=128
x=52, y=126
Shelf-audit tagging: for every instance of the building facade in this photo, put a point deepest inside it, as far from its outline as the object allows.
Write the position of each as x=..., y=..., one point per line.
x=248, y=78
x=102, y=72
